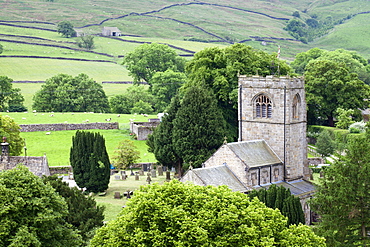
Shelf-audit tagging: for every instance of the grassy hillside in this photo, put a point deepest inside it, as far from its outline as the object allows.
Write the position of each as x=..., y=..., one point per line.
x=28, y=28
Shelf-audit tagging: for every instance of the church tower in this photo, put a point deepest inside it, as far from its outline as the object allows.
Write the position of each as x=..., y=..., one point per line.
x=274, y=109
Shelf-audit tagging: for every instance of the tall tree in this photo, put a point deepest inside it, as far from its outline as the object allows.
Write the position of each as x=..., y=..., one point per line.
x=31, y=213
x=342, y=198
x=147, y=59
x=325, y=144
x=179, y=214
x=66, y=29
x=90, y=162
x=65, y=93
x=199, y=128
x=11, y=130
x=218, y=69
x=160, y=141
x=281, y=198
x=86, y=42
x=330, y=85
x=165, y=86
x=10, y=98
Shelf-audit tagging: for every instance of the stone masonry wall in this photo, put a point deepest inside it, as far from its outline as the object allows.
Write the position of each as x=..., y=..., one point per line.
x=272, y=129
x=67, y=126
x=143, y=129
x=37, y=165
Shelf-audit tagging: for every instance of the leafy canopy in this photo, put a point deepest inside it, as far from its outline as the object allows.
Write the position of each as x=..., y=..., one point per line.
x=10, y=130
x=10, y=98
x=179, y=214
x=126, y=154
x=31, y=213
x=147, y=59
x=66, y=29
x=65, y=93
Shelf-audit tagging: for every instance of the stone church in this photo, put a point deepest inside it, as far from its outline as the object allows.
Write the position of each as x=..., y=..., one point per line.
x=272, y=145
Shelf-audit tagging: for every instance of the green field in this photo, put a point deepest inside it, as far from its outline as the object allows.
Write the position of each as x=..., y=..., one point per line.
x=57, y=145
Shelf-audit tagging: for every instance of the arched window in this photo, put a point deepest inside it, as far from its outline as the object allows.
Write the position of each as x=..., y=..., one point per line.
x=295, y=107
x=263, y=106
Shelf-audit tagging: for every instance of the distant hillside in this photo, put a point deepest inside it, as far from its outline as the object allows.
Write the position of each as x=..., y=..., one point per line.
x=28, y=28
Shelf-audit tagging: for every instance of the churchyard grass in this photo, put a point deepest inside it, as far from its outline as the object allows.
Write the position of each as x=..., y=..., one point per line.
x=57, y=145
x=114, y=206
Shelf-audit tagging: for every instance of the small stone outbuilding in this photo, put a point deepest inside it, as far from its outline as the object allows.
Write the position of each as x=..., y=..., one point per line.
x=111, y=31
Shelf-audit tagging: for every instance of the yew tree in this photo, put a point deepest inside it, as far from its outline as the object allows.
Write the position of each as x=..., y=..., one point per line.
x=179, y=214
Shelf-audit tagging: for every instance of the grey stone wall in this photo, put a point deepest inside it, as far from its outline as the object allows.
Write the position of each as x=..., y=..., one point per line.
x=67, y=126
x=281, y=91
x=143, y=129
x=37, y=165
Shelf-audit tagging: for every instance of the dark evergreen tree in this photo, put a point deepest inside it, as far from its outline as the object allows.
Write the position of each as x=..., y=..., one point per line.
x=325, y=144
x=160, y=142
x=281, y=198
x=90, y=161
x=199, y=127
x=83, y=213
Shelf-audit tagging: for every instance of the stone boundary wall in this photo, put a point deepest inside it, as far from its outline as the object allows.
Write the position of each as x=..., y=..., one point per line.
x=143, y=129
x=67, y=126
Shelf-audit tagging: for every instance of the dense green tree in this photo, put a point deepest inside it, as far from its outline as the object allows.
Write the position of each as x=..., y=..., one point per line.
x=83, y=212
x=86, y=42
x=11, y=130
x=302, y=59
x=179, y=214
x=90, y=162
x=66, y=29
x=126, y=154
x=281, y=198
x=31, y=213
x=165, y=86
x=10, y=98
x=219, y=68
x=142, y=107
x=325, y=144
x=123, y=103
x=147, y=59
x=342, y=198
x=199, y=128
x=160, y=141
x=65, y=93
x=344, y=118
x=330, y=85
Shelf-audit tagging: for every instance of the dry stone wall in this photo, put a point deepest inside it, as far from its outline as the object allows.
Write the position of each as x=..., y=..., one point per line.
x=67, y=126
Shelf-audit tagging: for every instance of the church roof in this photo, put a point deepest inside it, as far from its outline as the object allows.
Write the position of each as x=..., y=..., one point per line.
x=216, y=176
x=254, y=153
x=297, y=187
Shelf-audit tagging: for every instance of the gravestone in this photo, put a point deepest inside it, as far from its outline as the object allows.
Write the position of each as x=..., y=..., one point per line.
x=160, y=171
x=168, y=175
x=144, y=167
x=173, y=169
x=123, y=173
x=141, y=173
x=154, y=173
x=148, y=179
x=124, y=176
x=164, y=168
x=117, y=195
x=117, y=177
x=137, y=176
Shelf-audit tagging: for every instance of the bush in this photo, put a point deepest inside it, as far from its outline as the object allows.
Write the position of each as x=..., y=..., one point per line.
x=358, y=127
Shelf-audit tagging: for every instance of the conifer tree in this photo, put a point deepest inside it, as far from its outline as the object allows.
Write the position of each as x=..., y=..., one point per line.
x=90, y=161
x=281, y=198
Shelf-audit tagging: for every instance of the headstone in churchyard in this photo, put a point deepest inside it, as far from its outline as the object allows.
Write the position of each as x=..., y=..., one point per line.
x=148, y=179
x=173, y=169
x=117, y=177
x=137, y=176
x=117, y=195
x=144, y=167
x=160, y=170
x=124, y=176
x=164, y=168
x=154, y=173
x=123, y=173
x=168, y=175
x=141, y=173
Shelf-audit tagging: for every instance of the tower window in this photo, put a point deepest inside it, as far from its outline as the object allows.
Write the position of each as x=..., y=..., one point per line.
x=263, y=106
x=295, y=107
